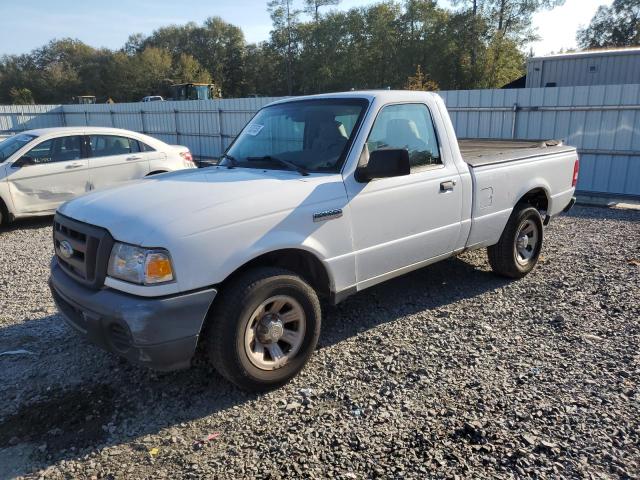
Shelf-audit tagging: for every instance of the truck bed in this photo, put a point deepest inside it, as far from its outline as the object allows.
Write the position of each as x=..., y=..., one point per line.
x=480, y=152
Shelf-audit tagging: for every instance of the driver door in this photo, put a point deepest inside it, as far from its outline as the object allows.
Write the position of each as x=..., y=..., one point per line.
x=56, y=171
x=402, y=222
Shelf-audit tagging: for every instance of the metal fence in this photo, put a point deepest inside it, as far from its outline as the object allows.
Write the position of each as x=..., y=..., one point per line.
x=206, y=127
x=602, y=121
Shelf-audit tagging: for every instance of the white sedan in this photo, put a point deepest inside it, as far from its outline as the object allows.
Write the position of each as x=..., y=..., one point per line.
x=41, y=169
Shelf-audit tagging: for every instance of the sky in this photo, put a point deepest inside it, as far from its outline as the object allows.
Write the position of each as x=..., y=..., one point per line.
x=32, y=23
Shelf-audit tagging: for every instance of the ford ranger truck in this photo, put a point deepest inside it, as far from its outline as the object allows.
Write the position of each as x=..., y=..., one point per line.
x=318, y=197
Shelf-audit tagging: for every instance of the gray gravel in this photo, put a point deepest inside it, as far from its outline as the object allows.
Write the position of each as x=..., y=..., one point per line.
x=449, y=371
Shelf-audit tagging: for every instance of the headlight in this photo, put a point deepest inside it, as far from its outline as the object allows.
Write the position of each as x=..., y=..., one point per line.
x=140, y=265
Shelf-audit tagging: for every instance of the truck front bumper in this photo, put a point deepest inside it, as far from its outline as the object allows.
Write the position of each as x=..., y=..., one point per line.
x=160, y=333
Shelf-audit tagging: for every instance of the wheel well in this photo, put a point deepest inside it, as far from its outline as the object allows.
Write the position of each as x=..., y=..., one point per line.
x=301, y=262
x=536, y=198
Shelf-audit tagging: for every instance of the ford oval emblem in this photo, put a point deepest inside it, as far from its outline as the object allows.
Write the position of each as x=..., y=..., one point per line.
x=66, y=250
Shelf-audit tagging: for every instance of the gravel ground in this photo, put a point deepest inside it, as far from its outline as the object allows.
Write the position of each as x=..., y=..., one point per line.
x=447, y=372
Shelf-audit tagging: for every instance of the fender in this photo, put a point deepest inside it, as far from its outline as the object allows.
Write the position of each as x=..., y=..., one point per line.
x=281, y=240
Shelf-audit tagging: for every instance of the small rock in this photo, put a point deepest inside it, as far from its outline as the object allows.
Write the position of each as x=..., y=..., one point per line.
x=292, y=406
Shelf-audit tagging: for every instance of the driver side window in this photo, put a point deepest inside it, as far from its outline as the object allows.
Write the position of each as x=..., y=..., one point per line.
x=410, y=127
x=61, y=149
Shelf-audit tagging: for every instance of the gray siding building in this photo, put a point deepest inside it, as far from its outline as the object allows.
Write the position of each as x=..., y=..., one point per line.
x=599, y=67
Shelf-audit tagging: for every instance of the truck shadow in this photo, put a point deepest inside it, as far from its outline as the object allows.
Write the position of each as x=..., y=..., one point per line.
x=67, y=398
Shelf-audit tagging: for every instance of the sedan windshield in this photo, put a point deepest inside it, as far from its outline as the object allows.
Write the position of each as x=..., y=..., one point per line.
x=307, y=135
x=11, y=145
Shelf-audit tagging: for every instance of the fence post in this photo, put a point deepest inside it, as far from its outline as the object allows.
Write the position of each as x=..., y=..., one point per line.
x=22, y=119
x=221, y=149
x=64, y=116
x=144, y=130
x=86, y=117
x=113, y=123
x=175, y=121
x=514, y=121
x=199, y=133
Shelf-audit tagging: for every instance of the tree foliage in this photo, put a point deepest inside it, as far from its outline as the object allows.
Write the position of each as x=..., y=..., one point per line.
x=420, y=82
x=614, y=26
x=312, y=48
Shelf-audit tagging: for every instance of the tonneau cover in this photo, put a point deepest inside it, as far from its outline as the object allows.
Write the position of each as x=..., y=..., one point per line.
x=480, y=152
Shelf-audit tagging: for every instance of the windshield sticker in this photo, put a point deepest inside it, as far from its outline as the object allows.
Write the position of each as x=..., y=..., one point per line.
x=254, y=129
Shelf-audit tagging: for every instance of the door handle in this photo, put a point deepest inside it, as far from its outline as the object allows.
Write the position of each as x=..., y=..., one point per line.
x=447, y=186
x=130, y=159
x=73, y=165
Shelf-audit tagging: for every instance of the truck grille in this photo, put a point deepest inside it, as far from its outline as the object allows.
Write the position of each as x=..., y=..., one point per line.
x=82, y=250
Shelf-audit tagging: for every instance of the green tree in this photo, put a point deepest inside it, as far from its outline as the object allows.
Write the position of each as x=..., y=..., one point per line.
x=614, y=26
x=217, y=45
x=312, y=7
x=188, y=69
x=504, y=23
x=420, y=81
x=21, y=96
x=151, y=69
x=285, y=18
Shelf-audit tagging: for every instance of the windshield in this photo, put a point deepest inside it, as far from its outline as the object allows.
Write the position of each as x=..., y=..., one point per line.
x=310, y=134
x=12, y=144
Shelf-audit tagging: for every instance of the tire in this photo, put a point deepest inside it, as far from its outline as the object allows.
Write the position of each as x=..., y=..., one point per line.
x=4, y=214
x=513, y=256
x=254, y=342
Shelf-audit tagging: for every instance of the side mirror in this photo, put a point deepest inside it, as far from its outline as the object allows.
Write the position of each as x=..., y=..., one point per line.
x=24, y=162
x=385, y=164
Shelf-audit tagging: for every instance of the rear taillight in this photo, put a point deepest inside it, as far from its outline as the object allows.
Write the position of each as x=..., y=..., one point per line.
x=576, y=169
x=188, y=159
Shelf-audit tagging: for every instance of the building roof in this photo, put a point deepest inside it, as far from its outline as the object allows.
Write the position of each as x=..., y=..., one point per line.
x=590, y=53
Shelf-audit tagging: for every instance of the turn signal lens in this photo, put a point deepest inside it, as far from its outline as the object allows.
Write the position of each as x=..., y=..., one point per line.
x=158, y=268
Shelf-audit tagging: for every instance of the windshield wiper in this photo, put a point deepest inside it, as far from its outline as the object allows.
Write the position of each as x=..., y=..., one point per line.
x=232, y=160
x=292, y=166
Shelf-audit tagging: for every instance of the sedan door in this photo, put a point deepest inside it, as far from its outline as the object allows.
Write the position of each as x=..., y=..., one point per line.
x=402, y=222
x=115, y=159
x=52, y=172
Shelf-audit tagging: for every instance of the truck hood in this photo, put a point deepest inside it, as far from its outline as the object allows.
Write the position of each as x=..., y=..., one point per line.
x=187, y=202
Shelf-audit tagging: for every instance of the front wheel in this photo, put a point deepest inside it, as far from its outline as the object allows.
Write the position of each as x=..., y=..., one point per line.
x=4, y=214
x=264, y=328
x=518, y=249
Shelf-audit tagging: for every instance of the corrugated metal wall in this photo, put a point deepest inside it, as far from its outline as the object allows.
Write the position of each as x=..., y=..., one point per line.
x=602, y=121
x=583, y=69
x=206, y=127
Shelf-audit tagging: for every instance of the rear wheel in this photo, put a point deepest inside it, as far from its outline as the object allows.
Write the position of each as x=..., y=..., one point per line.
x=264, y=328
x=518, y=249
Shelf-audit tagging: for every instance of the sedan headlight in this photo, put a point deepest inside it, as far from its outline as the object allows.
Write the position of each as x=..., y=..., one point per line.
x=140, y=265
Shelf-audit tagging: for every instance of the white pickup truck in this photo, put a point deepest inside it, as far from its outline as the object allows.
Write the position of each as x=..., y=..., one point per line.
x=318, y=197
